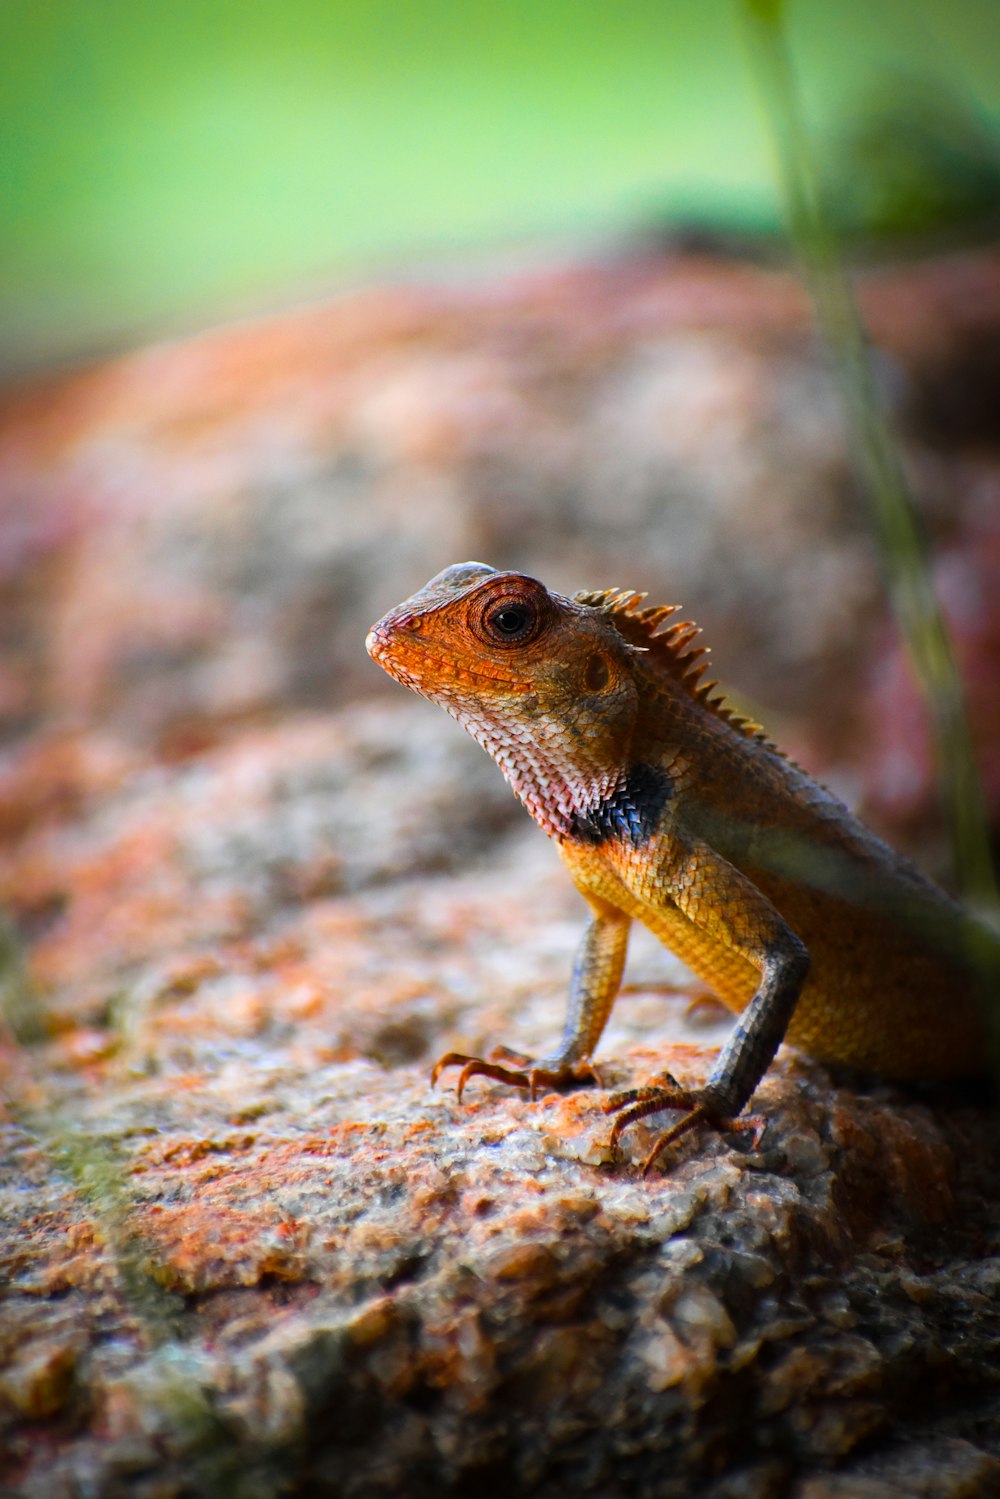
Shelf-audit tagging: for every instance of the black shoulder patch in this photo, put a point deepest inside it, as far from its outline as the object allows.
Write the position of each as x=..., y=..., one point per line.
x=631, y=812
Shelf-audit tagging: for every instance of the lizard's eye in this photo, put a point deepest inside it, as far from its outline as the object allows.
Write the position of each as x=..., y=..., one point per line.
x=509, y=611
x=511, y=621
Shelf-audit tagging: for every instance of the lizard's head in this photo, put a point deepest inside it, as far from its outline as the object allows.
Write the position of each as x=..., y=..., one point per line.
x=542, y=682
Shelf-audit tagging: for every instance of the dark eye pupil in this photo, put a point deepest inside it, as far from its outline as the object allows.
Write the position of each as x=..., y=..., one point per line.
x=510, y=621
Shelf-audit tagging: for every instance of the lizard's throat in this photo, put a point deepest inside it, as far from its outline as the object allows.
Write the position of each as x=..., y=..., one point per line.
x=559, y=783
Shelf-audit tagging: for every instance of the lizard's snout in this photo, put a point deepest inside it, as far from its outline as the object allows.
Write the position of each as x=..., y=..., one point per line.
x=388, y=644
x=386, y=633
x=378, y=642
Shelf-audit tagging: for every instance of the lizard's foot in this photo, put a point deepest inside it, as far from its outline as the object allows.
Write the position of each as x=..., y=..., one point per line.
x=698, y=1105
x=551, y=1072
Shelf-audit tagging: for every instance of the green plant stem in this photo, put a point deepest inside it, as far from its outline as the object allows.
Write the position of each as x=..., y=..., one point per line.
x=894, y=515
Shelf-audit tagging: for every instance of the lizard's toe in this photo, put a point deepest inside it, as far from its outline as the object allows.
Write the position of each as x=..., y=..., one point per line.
x=477, y=1067
x=698, y=1107
x=549, y=1073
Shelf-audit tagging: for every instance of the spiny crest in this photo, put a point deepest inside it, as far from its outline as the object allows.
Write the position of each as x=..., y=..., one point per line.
x=670, y=647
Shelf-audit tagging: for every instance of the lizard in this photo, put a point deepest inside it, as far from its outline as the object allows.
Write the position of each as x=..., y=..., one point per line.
x=671, y=808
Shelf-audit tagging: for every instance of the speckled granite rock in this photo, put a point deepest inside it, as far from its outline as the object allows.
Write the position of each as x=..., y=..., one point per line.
x=247, y=1250
x=244, y=1248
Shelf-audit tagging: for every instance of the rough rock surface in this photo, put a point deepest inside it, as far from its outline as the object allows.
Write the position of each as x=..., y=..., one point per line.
x=244, y=1248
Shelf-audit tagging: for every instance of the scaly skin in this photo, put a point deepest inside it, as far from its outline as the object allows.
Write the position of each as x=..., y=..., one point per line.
x=670, y=809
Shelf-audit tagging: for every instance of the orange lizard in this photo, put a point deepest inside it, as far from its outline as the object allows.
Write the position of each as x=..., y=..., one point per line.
x=671, y=809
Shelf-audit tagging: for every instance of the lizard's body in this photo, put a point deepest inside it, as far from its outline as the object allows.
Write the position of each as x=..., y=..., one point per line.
x=670, y=809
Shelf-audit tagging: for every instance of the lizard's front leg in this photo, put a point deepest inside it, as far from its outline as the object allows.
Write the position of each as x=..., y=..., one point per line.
x=597, y=975
x=733, y=913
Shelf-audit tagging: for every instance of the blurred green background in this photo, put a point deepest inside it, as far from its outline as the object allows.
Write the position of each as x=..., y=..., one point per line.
x=167, y=162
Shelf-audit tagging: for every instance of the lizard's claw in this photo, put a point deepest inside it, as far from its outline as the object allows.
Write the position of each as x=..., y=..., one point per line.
x=550, y=1073
x=666, y=1093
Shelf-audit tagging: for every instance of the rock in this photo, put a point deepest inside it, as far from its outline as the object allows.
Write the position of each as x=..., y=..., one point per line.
x=244, y=1247
x=261, y=1253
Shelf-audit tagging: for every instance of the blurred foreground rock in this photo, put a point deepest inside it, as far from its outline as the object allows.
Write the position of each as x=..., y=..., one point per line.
x=198, y=534
x=244, y=1248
